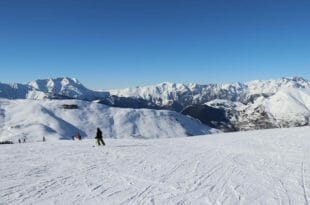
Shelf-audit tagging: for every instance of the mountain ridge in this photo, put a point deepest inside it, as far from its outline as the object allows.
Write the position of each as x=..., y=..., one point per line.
x=242, y=106
x=73, y=88
x=56, y=119
x=193, y=93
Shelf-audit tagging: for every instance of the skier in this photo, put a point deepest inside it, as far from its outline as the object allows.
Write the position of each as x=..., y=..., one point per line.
x=43, y=139
x=99, y=137
x=78, y=136
x=19, y=141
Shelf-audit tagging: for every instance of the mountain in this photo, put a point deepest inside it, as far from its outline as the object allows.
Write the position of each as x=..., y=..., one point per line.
x=61, y=119
x=14, y=91
x=68, y=88
x=174, y=96
x=288, y=107
x=211, y=116
x=165, y=94
x=53, y=88
x=65, y=87
x=256, y=104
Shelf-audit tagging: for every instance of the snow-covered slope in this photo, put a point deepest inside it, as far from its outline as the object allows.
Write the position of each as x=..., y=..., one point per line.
x=69, y=87
x=189, y=94
x=286, y=108
x=252, y=105
x=52, y=88
x=289, y=105
x=38, y=118
x=256, y=167
x=13, y=91
x=185, y=94
x=162, y=94
x=272, y=86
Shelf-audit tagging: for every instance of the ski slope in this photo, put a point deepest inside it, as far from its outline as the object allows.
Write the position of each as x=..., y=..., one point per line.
x=254, y=167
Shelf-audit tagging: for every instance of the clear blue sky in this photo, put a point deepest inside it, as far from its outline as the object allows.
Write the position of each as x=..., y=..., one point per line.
x=120, y=43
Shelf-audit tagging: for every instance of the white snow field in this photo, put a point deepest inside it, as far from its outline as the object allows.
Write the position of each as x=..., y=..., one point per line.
x=37, y=118
x=254, y=167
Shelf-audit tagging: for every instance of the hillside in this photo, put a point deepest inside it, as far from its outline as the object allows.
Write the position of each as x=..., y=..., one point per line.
x=288, y=107
x=258, y=104
x=52, y=118
x=255, y=167
x=187, y=94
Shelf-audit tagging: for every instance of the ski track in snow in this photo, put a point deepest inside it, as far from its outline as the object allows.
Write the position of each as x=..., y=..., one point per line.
x=256, y=167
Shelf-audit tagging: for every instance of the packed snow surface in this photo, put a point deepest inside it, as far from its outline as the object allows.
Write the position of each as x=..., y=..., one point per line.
x=255, y=167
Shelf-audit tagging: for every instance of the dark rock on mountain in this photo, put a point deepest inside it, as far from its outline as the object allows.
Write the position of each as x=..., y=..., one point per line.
x=213, y=117
x=127, y=102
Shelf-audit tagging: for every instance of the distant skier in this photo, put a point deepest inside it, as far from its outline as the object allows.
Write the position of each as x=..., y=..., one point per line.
x=24, y=140
x=19, y=141
x=44, y=139
x=99, y=137
x=78, y=136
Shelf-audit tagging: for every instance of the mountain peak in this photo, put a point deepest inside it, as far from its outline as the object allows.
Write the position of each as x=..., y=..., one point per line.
x=299, y=79
x=166, y=83
x=52, y=85
x=65, y=86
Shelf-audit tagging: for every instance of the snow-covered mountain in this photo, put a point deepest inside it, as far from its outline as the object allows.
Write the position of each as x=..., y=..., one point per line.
x=162, y=95
x=66, y=87
x=238, y=106
x=229, y=107
x=286, y=108
x=14, y=91
x=53, y=88
x=165, y=94
x=62, y=119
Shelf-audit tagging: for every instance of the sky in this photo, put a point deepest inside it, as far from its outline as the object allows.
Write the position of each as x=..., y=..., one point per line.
x=124, y=43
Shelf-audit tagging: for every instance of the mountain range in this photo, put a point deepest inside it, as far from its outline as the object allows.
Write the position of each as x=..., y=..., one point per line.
x=62, y=119
x=258, y=104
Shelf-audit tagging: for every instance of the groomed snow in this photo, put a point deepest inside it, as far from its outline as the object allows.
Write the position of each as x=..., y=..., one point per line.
x=255, y=167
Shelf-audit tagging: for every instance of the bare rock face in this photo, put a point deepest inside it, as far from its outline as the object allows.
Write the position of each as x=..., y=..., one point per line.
x=70, y=106
x=211, y=116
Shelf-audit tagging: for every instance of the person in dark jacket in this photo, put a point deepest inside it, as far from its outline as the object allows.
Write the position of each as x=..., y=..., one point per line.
x=99, y=137
x=78, y=136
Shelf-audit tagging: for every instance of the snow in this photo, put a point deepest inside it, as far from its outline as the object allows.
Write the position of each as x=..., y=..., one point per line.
x=272, y=86
x=50, y=88
x=69, y=87
x=291, y=100
x=257, y=104
x=290, y=105
x=37, y=118
x=160, y=94
x=188, y=94
x=255, y=167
